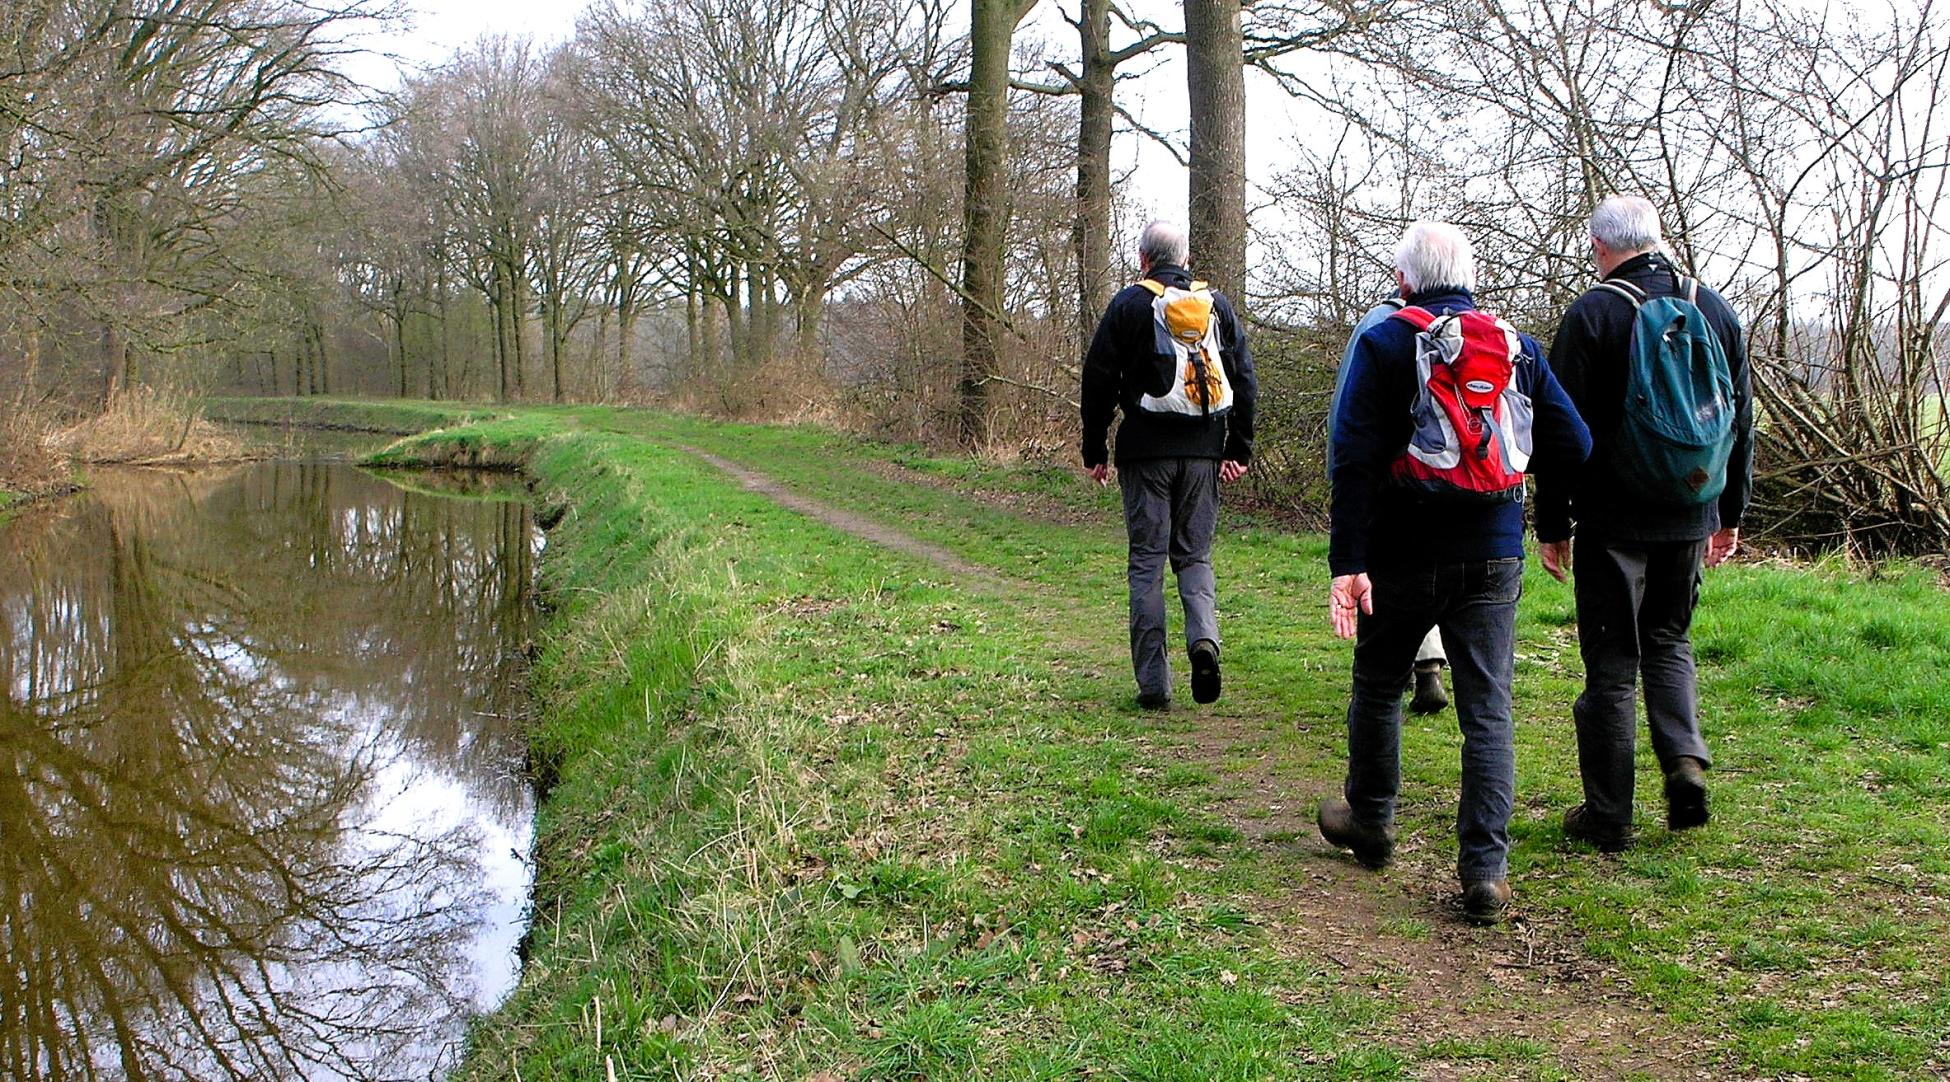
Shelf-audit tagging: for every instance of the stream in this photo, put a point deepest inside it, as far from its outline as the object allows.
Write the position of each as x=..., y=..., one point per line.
x=262, y=808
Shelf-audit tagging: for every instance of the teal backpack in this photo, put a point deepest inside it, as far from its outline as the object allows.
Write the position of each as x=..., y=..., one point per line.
x=1676, y=432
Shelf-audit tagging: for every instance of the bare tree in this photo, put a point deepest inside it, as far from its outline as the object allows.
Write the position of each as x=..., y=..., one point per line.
x=984, y=205
x=1215, y=82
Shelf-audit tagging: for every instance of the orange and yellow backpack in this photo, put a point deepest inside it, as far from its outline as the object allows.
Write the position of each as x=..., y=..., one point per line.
x=1187, y=331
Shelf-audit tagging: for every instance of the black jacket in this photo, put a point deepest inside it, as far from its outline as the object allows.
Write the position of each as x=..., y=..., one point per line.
x=1589, y=358
x=1124, y=365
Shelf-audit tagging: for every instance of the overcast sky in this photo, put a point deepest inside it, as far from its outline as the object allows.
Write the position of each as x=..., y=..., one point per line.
x=438, y=27
x=1157, y=185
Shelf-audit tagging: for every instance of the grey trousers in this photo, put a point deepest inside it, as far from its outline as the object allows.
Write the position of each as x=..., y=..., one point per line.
x=1171, y=509
x=1635, y=619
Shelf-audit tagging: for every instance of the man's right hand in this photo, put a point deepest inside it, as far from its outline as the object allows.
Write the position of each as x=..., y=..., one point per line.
x=1722, y=545
x=1349, y=596
x=1557, y=558
x=1100, y=473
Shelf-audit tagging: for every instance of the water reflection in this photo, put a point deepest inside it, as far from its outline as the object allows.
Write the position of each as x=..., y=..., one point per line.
x=259, y=812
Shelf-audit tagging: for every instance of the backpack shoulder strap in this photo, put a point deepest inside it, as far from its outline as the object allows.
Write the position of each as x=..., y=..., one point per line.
x=1623, y=289
x=1419, y=318
x=1689, y=288
x=1156, y=287
x=1198, y=286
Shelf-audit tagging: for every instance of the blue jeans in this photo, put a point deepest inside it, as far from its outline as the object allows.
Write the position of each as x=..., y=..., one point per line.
x=1475, y=607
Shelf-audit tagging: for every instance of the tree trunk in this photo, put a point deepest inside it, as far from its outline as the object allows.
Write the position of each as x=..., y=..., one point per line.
x=693, y=332
x=626, y=344
x=1096, y=88
x=1215, y=83
x=599, y=355
x=324, y=369
x=446, y=343
x=710, y=347
x=985, y=206
x=115, y=361
x=735, y=324
x=517, y=326
x=810, y=312
x=557, y=341
x=499, y=303
x=399, y=336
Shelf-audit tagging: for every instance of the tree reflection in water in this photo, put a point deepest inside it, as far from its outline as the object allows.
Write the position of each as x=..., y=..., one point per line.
x=259, y=807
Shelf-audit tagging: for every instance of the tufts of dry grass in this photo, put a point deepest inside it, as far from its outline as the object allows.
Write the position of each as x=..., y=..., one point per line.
x=148, y=426
x=27, y=465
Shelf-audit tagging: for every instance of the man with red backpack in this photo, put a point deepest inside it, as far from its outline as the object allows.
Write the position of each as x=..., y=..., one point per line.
x=1657, y=365
x=1444, y=411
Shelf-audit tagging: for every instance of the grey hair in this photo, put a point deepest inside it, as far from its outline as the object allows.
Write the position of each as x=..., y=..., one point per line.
x=1627, y=224
x=1164, y=242
x=1433, y=255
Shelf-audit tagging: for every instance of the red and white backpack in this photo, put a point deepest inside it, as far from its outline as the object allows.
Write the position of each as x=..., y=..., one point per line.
x=1472, y=438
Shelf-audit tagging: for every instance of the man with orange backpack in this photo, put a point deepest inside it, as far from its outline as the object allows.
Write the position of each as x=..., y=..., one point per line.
x=1657, y=363
x=1445, y=410
x=1171, y=355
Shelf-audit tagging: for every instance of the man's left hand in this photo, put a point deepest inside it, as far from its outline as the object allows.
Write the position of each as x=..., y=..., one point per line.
x=1230, y=471
x=1099, y=473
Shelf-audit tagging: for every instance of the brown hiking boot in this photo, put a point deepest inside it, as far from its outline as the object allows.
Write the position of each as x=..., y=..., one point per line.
x=1686, y=805
x=1579, y=823
x=1486, y=901
x=1429, y=696
x=1372, y=844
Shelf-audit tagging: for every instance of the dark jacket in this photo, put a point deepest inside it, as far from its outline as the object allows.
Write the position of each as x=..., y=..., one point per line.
x=1125, y=364
x=1380, y=525
x=1589, y=358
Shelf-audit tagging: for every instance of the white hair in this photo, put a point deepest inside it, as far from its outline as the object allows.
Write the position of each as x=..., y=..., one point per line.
x=1164, y=242
x=1627, y=224
x=1433, y=255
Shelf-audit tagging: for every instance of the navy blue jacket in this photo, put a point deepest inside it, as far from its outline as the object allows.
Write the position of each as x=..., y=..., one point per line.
x=1124, y=365
x=1377, y=524
x=1589, y=357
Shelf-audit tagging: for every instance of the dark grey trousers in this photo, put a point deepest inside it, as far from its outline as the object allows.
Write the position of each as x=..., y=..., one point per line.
x=1635, y=619
x=1474, y=605
x=1171, y=509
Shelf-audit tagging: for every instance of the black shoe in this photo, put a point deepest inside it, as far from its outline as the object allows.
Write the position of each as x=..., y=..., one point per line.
x=1373, y=845
x=1205, y=671
x=1147, y=701
x=1486, y=901
x=1579, y=823
x=1686, y=805
x=1429, y=696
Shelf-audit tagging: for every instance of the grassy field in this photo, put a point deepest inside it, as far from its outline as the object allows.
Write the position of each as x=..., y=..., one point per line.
x=821, y=810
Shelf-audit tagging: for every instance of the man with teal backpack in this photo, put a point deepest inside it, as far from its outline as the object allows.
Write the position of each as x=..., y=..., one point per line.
x=1657, y=366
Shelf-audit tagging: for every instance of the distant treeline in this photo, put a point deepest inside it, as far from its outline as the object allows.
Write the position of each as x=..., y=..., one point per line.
x=902, y=217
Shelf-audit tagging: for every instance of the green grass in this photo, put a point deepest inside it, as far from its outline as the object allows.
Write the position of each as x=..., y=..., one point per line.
x=818, y=809
x=351, y=414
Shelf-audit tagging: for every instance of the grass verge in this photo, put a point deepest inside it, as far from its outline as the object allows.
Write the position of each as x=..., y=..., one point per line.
x=814, y=811
x=382, y=416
